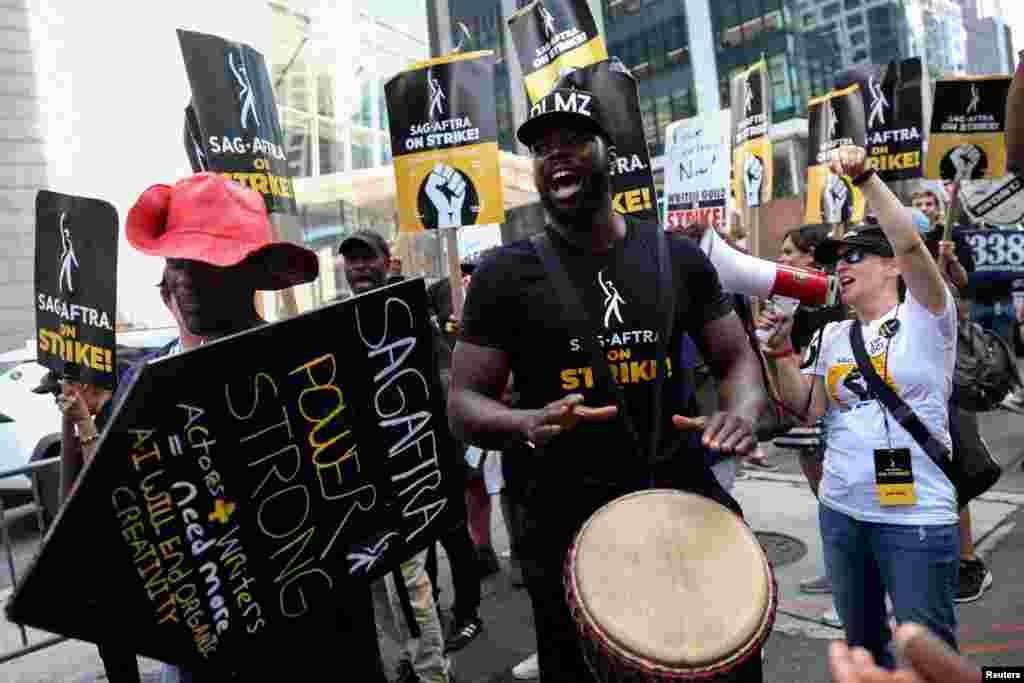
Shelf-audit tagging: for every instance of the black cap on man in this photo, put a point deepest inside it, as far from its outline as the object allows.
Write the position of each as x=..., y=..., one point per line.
x=570, y=147
x=367, y=258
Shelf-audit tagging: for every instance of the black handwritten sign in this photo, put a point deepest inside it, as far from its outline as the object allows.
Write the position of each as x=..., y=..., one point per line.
x=246, y=487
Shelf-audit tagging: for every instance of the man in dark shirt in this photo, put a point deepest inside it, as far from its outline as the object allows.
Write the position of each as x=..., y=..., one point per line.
x=513, y=322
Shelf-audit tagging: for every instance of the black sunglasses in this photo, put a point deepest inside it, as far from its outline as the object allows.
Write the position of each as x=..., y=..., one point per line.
x=856, y=255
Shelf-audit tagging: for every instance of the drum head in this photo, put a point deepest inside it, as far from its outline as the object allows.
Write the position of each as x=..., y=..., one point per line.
x=673, y=578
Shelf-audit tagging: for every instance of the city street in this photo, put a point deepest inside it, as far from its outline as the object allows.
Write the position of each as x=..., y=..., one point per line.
x=992, y=629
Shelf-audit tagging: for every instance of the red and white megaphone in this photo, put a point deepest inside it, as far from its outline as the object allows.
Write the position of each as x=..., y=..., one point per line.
x=744, y=274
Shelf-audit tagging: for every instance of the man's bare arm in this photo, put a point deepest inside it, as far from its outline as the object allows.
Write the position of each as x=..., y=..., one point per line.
x=741, y=394
x=477, y=415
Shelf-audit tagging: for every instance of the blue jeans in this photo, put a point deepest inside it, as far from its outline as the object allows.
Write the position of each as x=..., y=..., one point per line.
x=918, y=566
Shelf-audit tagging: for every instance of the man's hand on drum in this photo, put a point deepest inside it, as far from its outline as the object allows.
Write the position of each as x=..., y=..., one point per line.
x=723, y=432
x=562, y=416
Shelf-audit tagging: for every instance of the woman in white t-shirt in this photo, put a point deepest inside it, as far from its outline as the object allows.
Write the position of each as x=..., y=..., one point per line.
x=884, y=529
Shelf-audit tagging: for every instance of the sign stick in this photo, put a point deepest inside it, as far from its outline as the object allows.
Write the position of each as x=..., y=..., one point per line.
x=451, y=238
x=952, y=211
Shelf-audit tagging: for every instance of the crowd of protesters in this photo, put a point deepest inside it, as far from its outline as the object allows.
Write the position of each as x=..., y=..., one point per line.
x=905, y=554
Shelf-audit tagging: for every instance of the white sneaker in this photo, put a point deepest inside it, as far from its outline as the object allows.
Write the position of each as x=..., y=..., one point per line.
x=528, y=668
x=831, y=618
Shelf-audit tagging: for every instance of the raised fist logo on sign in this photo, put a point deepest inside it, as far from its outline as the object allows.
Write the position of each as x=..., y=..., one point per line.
x=964, y=162
x=753, y=170
x=447, y=198
x=446, y=189
x=965, y=159
x=834, y=199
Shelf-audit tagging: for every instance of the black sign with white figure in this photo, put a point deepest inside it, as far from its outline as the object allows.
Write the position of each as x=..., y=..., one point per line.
x=76, y=287
x=245, y=488
x=893, y=107
x=236, y=121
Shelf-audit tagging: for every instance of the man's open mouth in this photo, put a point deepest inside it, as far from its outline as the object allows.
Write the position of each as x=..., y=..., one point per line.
x=564, y=184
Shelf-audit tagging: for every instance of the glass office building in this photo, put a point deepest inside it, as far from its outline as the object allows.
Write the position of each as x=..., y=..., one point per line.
x=651, y=37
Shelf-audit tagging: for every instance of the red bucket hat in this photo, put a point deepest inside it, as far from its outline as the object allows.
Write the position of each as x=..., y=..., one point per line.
x=206, y=217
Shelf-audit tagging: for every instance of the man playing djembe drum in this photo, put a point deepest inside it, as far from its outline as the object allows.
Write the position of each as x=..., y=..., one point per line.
x=591, y=446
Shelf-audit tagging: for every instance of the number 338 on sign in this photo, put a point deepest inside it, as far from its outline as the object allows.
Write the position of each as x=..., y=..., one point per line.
x=997, y=249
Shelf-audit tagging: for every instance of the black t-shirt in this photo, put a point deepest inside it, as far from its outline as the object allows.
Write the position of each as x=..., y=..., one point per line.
x=439, y=304
x=512, y=306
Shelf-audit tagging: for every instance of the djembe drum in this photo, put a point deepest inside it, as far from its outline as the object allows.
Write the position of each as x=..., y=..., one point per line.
x=668, y=586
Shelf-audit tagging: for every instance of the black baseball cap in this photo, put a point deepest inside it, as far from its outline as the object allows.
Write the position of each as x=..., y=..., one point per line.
x=867, y=237
x=563, y=108
x=49, y=384
x=367, y=238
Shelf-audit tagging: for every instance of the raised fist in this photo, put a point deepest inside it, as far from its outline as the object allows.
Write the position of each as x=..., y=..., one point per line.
x=848, y=160
x=753, y=172
x=446, y=190
x=834, y=199
x=965, y=160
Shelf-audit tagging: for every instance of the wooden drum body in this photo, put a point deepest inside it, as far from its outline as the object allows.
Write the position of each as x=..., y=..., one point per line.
x=668, y=586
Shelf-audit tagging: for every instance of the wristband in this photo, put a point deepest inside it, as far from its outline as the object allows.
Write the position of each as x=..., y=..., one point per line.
x=86, y=440
x=782, y=353
x=863, y=177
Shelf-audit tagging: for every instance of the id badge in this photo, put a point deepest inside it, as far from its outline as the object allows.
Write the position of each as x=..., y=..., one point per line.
x=894, y=477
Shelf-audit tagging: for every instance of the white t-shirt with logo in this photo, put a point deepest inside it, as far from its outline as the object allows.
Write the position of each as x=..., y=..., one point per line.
x=917, y=361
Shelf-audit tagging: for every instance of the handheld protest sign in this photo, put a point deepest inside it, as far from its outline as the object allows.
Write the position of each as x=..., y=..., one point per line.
x=998, y=254
x=444, y=142
x=835, y=119
x=553, y=38
x=632, y=180
x=893, y=106
x=968, y=129
x=752, y=165
x=193, y=141
x=997, y=201
x=76, y=287
x=244, y=489
x=697, y=171
x=236, y=116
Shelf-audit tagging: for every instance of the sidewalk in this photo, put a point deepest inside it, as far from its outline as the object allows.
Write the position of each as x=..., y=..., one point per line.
x=992, y=629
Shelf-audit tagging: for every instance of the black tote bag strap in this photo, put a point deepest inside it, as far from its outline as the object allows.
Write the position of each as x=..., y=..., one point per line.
x=903, y=414
x=667, y=297
x=576, y=316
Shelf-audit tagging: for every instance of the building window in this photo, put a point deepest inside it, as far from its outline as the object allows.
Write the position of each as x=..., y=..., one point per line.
x=851, y=4
x=620, y=8
x=682, y=105
x=664, y=116
x=854, y=20
x=860, y=56
x=857, y=38
x=647, y=112
x=830, y=10
x=782, y=91
x=746, y=32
